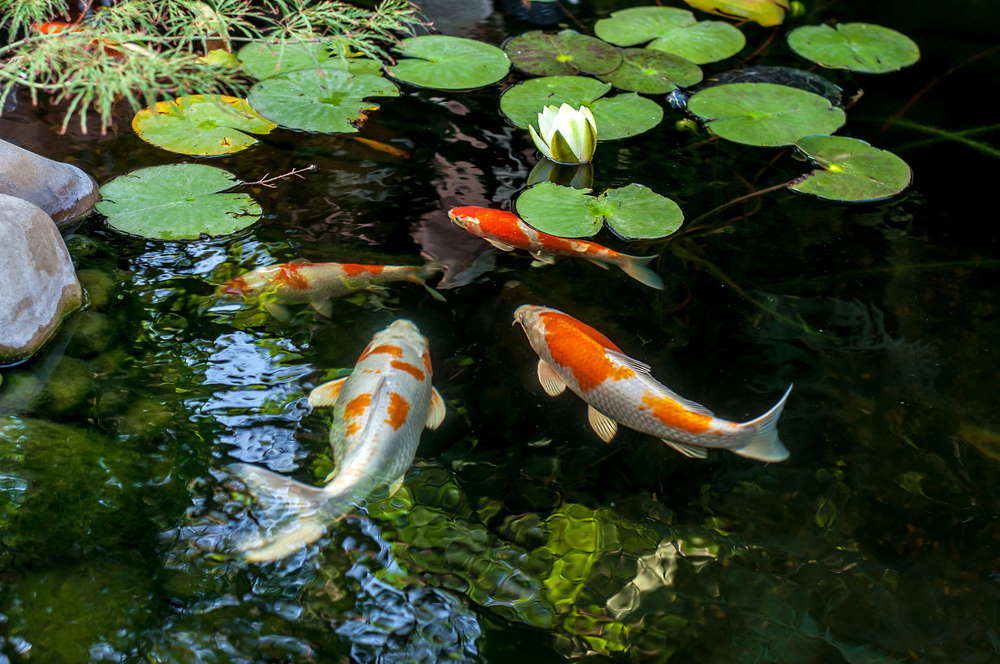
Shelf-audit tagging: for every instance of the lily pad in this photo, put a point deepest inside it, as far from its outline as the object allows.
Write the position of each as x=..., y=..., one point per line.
x=851, y=170
x=449, y=63
x=324, y=100
x=568, y=52
x=862, y=47
x=201, y=125
x=558, y=210
x=653, y=72
x=176, y=202
x=263, y=60
x=764, y=113
x=617, y=117
x=672, y=30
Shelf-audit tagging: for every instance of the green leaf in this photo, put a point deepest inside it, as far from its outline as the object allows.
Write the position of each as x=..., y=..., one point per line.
x=764, y=113
x=262, y=60
x=672, y=31
x=652, y=72
x=625, y=115
x=449, y=63
x=862, y=47
x=176, y=202
x=324, y=100
x=568, y=52
x=851, y=170
x=558, y=210
x=201, y=125
x=637, y=212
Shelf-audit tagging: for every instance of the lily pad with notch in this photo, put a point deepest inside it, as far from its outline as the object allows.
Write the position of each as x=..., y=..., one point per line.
x=264, y=60
x=449, y=63
x=201, y=125
x=861, y=47
x=672, y=30
x=851, y=170
x=652, y=72
x=564, y=53
x=177, y=202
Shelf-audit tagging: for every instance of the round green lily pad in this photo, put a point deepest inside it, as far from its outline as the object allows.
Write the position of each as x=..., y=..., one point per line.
x=636, y=212
x=674, y=31
x=625, y=115
x=201, y=125
x=851, y=170
x=264, y=60
x=449, y=63
x=652, y=72
x=176, y=202
x=558, y=210
x=568, y=52
x=323, y=100
x=862, y=47
x=764, y=113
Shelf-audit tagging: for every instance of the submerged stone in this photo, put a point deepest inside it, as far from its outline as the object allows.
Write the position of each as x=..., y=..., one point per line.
x=65, y=192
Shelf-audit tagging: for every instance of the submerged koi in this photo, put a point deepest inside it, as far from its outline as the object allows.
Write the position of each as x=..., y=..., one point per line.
x=317, y=284
x=505, y=231
x=620, y=390
x=379, y=413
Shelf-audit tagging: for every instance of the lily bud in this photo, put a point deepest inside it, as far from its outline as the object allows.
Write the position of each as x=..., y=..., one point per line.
x=566, y=135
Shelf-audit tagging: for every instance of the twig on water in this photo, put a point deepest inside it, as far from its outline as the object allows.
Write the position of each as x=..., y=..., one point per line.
x=295, y=172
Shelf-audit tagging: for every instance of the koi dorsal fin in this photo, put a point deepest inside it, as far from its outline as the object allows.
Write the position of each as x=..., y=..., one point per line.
x=630, y=362
x=300, y=261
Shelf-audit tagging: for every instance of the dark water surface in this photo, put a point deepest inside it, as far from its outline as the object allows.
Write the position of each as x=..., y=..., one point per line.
x=519, y=536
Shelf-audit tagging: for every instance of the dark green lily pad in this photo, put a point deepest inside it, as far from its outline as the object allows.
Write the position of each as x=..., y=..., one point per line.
x=176, y=202
x=558, y=210
x=201, y=125
x=672, y=30
x=262, y=60
x=568, y=52
x=652, y=72
x=617, y=117
x=324, y=100
x=764, y=113
x=862, y=47
x=449, y=63
x=851, y=170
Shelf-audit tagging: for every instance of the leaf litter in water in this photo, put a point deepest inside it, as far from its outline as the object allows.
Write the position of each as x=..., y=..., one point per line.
x=264, y=60
x=449, y=63
x=565, y=53
x=851, y=170
x=861, y=47
x=674, y=31
x=201, y=125
x=177, y=202
x=652, y=72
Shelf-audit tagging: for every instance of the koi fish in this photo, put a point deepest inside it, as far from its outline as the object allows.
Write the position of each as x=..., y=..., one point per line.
x=506, y=232
x=317, y=284
x=620, y=390
x=379, y=412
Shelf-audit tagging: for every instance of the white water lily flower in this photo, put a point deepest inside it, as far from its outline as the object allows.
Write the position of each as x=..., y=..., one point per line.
x=566, y=135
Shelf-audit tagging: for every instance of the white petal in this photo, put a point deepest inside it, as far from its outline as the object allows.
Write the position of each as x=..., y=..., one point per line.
x=542, y=146
x=546, y=122
x=574, y=129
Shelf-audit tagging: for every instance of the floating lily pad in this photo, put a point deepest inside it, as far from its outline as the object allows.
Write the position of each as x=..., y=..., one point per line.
x=617, y=117
x=674, y=31
x=568, y=52
x=449, y=63
x=862, y=47
x=764, y=113
x=324, y=100
x=176, y=202
x=263, y=60
x=851, y=170
x=652, y=72
x=764, y=12
x=632, y=212
x=201, y=125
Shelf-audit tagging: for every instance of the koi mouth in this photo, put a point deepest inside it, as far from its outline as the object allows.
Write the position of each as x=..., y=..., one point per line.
x=237, y=286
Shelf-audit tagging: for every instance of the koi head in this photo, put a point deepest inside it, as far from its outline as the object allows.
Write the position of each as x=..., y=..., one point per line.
x=529, y=316
x=402, y=335
x=466, y=217
x=250, y=284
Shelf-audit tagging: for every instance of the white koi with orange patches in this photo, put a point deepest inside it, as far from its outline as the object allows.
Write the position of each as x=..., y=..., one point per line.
x=620, y=390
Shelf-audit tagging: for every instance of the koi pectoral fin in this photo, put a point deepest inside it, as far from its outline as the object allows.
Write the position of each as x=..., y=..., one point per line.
x=324, y=307
x=326, y=395
x=551, y=382
x=502, y=246
x=603, y=426
x=542, y=258
x=436, y=410
x=689, y=451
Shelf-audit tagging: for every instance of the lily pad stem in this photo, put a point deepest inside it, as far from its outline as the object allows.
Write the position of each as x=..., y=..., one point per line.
x=694, y=226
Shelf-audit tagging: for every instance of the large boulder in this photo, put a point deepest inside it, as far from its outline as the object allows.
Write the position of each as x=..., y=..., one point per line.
x=39, y=284
x=62, y=190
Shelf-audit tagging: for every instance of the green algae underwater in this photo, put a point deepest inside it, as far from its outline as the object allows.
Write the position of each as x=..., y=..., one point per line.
x=518, y=535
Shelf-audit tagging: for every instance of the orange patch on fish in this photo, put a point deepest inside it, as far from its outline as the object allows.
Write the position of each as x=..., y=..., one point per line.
x=675, y=415
x=499, y=224
x=581, y=349
x=352, y=428
x=408, y=368
x=237, y=286
x=289, y=275
x=399, y=408
x=388, y=349
x=353, y=269
x=561, y=321
x=356, y=406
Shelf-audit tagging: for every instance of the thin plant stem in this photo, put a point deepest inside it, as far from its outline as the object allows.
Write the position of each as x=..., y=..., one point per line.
x=694, y=226
x=951, y=136
x=269, y=181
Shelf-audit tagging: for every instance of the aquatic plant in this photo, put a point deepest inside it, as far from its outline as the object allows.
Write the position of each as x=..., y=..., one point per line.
x=566, y=135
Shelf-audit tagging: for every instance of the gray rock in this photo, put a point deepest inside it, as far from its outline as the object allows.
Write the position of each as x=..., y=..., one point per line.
x=39, y=284
x=456, y=17
x=62, y=190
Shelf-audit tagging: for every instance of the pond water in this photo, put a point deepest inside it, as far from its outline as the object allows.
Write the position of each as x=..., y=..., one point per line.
x=518, y=536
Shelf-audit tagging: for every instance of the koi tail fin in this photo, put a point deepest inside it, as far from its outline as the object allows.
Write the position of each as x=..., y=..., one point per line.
x=764, y=444
x=638, y=268
x=425, y=273
x=290, y=515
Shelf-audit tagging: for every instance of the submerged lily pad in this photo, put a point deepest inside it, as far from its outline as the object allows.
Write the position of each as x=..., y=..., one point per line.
x=862, y=47
x=449, y=63
x=851, y=170
x=764, y=113
x=176, y=202
x=672, y=30
x=324, y=100
x=568, y=52
x=617, y=117
x=201, y=125
x=653, y=72
x=263, y=60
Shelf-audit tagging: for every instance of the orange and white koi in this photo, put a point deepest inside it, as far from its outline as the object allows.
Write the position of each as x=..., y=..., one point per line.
x=505, y=231
x=379, y=413
x=620, y=390
x=317, y=284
